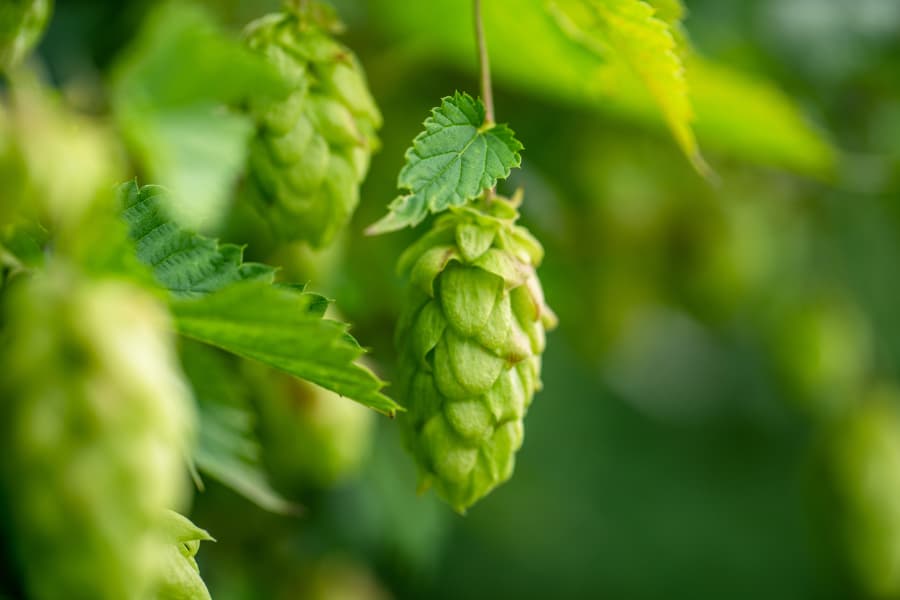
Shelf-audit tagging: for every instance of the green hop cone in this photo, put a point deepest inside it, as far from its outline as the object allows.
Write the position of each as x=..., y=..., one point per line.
x=21, y=24
x=94, y=427
x=311, y=436
x=470, y=342
x=312, y=148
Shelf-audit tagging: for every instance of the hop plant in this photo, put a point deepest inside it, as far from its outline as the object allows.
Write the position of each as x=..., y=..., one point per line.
x=94, y=425
x=310, y=435
x=181, y=576
x=312, y=148
x=470, y=341
x=21, y=24
x=865, y=455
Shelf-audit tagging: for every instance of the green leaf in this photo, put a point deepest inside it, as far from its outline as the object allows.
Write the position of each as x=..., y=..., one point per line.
x=453, y=161
x=647, y=45
x=279, y=325
x=282, y=327
x=768, y=128
x=169, y=95
x=227, y=448
x=186, y=263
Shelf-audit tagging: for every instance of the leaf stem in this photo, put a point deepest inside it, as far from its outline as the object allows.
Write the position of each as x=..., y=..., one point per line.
x=484, y=64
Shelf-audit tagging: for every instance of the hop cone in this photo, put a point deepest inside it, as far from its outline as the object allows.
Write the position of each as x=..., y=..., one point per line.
x=21, y=24
x=470, y=341
x=310, y=435
x=312, y=148
x=93, y=427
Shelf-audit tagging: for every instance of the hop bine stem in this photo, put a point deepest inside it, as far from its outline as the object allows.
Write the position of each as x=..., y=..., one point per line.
x=484, y=64
x=484, y=67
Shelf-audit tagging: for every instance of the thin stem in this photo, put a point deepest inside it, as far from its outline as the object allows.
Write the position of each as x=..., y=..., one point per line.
x=484, y=64
x=487, y=91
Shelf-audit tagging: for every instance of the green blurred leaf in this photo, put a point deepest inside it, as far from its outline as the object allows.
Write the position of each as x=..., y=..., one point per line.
x=736, y=114
x=227, y=448
x=281, y=327
x=21, y=24
x=454, y=160
x=170, y=89
x=630, y=29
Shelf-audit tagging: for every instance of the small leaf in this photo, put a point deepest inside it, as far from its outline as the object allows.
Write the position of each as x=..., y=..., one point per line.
x=276, y=326
x=453, y=161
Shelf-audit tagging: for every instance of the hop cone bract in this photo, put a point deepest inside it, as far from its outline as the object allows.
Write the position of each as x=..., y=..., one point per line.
x=470, y=340
x=94, y=428
x=312, y=148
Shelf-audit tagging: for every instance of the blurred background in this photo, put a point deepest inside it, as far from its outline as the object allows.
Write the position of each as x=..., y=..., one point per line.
x=720, y=415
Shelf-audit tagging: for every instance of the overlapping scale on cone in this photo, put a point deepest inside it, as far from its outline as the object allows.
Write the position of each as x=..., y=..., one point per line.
x=471, y=339
x=312, y=148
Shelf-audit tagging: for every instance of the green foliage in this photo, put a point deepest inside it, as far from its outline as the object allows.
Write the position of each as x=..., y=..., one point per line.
x=458, y=156
x=169, y=92
x=283, y=328
x=185, y=263
x=739, y=115
x=646, y=44
x=220, y=300
x=181, y=579
x=312, y=146
x=95, y=426
x=227, y=448
x=470, y=338
x=21, y=24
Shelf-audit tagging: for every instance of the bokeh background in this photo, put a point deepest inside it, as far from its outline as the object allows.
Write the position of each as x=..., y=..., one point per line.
x=720, y=412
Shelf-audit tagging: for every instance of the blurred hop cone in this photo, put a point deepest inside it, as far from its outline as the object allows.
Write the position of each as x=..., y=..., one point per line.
x=21, y=24
x=312, y=148
x=867, y=475
x=311, y=436
x=95, y=422
x=470, y=340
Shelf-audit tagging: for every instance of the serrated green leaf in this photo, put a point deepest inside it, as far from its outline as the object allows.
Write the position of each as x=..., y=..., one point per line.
x=227, y=448
x=186, y=263
x=630, y=29
x=453, y=161
x=279, y=325
x=276, y=326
